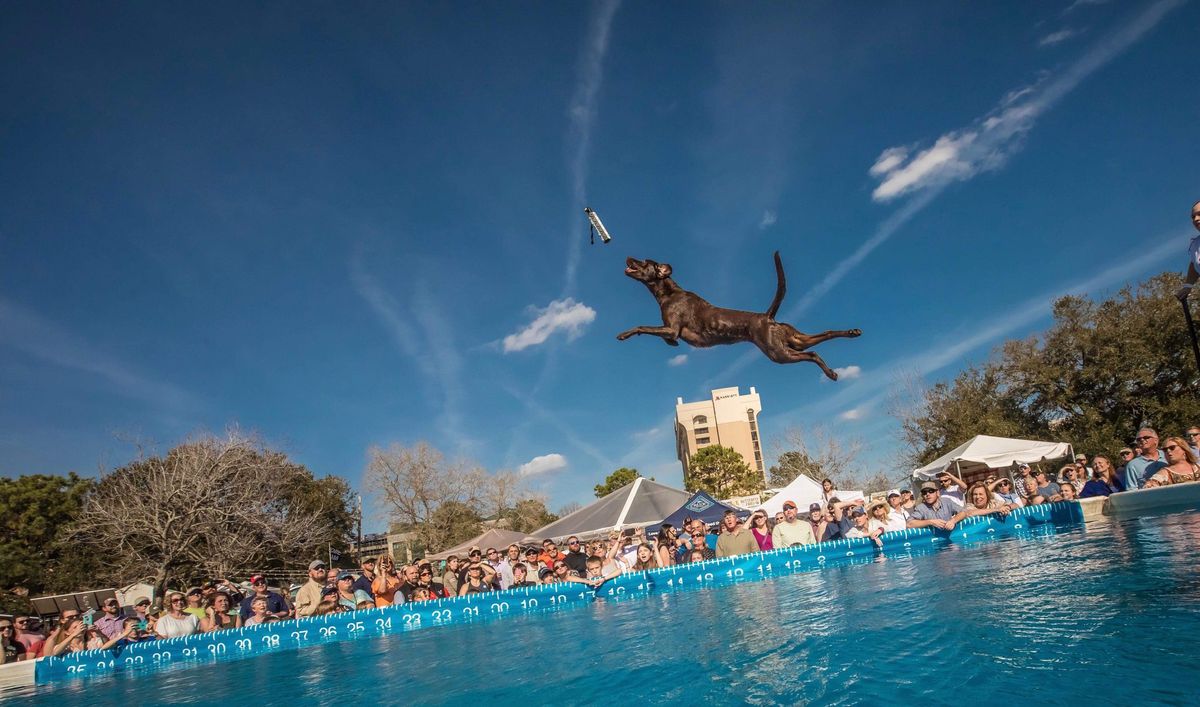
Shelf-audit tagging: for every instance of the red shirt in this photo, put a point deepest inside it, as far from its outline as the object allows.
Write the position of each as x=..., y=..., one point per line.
x=549, y=560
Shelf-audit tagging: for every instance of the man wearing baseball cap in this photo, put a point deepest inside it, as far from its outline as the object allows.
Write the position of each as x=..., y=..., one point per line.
x=309, y=596
x=932, y=511
x=792, y=531
x=277, y=606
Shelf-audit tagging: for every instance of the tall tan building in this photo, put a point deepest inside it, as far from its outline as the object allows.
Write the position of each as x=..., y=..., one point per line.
x=729, y=419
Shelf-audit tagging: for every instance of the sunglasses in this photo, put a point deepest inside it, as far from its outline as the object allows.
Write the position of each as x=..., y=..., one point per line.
x=1171, y=447
x=1127, y=454
x=925, y=491
x=1142, y=439
x=1193, y=434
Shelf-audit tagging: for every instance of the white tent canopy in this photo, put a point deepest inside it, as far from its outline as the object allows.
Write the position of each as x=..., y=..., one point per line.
x=804, y=491
x=640, y=503
x=984, y=451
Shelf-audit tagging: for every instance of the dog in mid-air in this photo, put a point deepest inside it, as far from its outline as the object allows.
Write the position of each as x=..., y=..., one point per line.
x=690, y=317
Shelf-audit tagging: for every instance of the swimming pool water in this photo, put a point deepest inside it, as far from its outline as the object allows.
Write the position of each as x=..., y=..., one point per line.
x=1103, y=615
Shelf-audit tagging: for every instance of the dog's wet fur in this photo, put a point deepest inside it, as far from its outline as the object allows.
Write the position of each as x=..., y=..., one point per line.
x=693, y=319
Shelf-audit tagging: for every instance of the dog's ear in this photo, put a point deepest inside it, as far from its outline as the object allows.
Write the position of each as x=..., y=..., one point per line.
x=663, y=270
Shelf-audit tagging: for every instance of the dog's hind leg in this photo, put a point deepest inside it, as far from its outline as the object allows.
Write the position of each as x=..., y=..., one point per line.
x=669, y=335
x=803, y=341
x=798, y=356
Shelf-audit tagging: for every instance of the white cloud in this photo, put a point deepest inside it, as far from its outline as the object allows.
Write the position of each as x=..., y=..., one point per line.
x=768, y=219
x=848, y=372
x=986, y=144
x=1083, y=3
x=853, y=414
x=542, y=464
x=1056, y=37
x=677, y=360
x=649, y=433
x=565, y=314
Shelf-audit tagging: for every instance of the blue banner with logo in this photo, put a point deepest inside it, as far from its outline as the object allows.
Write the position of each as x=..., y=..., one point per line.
x=298, y=633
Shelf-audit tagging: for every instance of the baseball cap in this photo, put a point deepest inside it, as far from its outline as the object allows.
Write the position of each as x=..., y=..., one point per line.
x=814, y=507
x=789, y=504
x=1023, y=466
x=329, y=589
x=857, y=511
x=1080, y=457
x=142, y=600
x=893, y=492
x=929, y=485
x=194, y=590
x=545, y=572
x=345, y=575
x=316, y=565
x=255, y=579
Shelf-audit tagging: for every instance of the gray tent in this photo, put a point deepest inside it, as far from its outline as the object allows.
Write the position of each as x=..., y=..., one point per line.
x=643, y=502
x=498, y=538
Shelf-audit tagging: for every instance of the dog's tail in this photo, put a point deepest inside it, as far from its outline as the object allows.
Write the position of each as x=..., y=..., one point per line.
x=780, y=289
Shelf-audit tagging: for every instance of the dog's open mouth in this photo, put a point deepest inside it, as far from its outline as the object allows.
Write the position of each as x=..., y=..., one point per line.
x=631, y=265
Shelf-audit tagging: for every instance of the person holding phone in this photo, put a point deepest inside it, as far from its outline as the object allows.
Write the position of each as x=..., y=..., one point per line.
x=132, y=631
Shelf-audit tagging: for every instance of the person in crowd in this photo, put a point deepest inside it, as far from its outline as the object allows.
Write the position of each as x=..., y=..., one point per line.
x=347, y=597
x=546, y=576
x=66, y=620
x=112, y=618
x=664, y=545
x=881, y=518
x=386, y=585
x=1002, y=489
x=896, y=504
x=330, y=603
x=792, y=531
x=1181, y=463
x=907, y=501
x=576, y=559
x=70, y=636
x=259, y=613
x=1085, y=471
x=309, y=594
x=141, y=611
x=550, y=553
x=366, y=577
x=1125, y=455
x=758, y=527
x=276, y=604
x=425, y=581
x=595, y=574
x=1193, y=440
x=450, y=576
x=194, y=598
x=175, y=622
x=129, y=633
x=30, y=639
x=1067, y=492
x=981, y=501
x=411, y=574
x=952, y=488
x=932, y=511
x=1104, y=479
x=1148, y=461
x=331, y=576
x=828, y=490
x=735, y=539
x=532, y=561
x=1043, y=486
x=521, y=577
x=1069, y=476
x=216, y=613
x=837, y=521
x=503, y=576
x=646, y=559
x=699, y=542
x=860, y=527
x=478, y=579
x=697, y=556
x=11, y=649
x=1025, y=485
x=778, y=519
x=817, y=522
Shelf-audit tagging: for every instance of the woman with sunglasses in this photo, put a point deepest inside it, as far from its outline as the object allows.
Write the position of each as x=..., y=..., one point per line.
x=425, y=581
x=760, y=531
x=665, y=544
x=216, y=613
x=1104, y=479
x=175, y=622
x=478, y=579
x=1181, y=463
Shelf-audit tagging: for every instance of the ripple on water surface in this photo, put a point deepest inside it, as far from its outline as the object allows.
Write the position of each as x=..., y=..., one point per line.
x=1108, y=615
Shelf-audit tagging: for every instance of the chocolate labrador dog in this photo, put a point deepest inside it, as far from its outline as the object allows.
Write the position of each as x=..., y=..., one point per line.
x=690, y=317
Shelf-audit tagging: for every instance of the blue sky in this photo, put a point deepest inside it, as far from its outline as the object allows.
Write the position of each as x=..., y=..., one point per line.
x=341, y=227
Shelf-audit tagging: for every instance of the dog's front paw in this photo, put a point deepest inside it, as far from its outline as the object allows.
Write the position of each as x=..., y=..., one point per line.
x=855, y=332
x=624, y=335
x=832, y=374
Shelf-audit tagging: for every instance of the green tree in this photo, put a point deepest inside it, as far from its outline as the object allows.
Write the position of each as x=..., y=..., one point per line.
x=790, y=466
x=616, y=480
x=722, y=472
x=451, y=523
x=1101, y=371
x=34, y=511
x=528, y=515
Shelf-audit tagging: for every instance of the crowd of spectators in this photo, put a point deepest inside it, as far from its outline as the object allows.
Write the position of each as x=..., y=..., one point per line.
x=379, y=582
